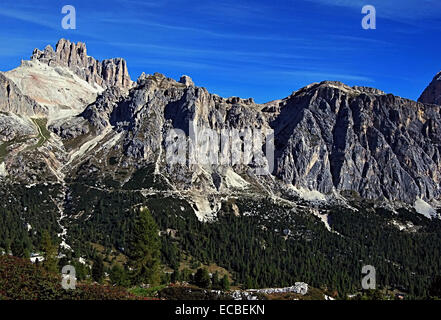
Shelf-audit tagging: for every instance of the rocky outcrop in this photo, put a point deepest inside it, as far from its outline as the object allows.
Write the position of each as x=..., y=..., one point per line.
x=187, y=81
x=432, y=94
x=99, y=112
x=105, y=74
x=12, y=127
x=70, y=128
x=12, y=100
x=57, y=87
x=330, y=136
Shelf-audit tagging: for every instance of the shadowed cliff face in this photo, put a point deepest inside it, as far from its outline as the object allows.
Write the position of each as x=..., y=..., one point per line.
x=432, y=94
x=382, y=146
x=328, y=137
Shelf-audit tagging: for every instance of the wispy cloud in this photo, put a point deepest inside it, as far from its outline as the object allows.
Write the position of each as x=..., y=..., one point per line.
x=144, y=3
x=198, y=31
x=20, y=47
x=30, y=17
x=320, y=76
x=226, y=54
x=392, y=9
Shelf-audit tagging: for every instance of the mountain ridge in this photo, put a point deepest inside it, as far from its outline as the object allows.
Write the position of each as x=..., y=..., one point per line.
x=330, y=138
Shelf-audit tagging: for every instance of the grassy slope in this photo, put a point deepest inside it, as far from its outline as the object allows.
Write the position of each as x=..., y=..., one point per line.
x=43, y=132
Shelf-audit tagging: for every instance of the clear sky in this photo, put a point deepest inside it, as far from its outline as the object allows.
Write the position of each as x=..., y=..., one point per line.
x=247, y=48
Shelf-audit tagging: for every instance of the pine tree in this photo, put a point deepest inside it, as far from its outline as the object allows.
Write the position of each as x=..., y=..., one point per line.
x=144, y=251
x=98, y=270
x=18, y=249
x=225, y=283
x=50, y=262
x=249, y=284
x=118, y=276
x=202, y=278
x=176, y=276
x=215, y=282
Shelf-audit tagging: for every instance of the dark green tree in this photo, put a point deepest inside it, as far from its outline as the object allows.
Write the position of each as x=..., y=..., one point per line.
x=176, y=276
x=118, y=276
x=81, y=271
x=50, y=262
x=18, y=250
x=202, y=278
x=435, y=287
x=225, y=283
x=98, y=270
x=215, y=281
x=144, y=249
x=249, y=284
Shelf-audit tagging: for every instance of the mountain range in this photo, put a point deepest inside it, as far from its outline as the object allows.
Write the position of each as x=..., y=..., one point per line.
x=330, y=139
x=81, y=144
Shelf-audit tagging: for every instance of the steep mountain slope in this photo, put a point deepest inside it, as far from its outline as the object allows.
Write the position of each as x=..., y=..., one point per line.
x=12, y=100
x=432, y=94
x=82, y=146
x=51, y=86
x=329, y=138
x=56, y=88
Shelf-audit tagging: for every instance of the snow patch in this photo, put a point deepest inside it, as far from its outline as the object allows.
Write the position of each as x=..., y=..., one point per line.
x=64, y=245
x=39, y=258
x=422, y=207
x=401, y=226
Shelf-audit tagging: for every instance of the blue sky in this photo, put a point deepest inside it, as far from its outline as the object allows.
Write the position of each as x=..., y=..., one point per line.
x=247, y=48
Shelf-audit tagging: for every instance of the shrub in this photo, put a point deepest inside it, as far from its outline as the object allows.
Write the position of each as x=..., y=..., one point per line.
x=22, y=280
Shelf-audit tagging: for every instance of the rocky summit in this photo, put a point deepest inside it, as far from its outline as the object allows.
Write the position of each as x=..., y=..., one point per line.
x=432, y=94
x=106, y=73
x=63, y=109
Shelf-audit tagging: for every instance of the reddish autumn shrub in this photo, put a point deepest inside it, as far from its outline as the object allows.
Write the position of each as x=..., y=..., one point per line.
x=22, y=280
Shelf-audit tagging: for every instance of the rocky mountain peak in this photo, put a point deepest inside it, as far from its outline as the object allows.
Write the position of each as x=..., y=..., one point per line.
x=328, y=137
x=432, y=94
x=106, y=73
x=187, y=81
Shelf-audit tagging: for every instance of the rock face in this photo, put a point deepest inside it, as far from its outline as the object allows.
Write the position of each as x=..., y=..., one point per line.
x=12, y=100
x=159, y=104
x=432, y=94
x=57, y=88
x=106, y=73
x=329, y=138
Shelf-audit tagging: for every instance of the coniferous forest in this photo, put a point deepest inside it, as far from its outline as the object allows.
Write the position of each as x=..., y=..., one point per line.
x=274, y=248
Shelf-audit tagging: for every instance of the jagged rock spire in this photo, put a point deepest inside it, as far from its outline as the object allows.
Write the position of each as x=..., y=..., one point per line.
x=106, y=73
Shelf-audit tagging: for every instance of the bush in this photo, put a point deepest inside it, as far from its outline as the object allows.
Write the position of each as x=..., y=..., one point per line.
x=202, y=278
x=22, y=280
